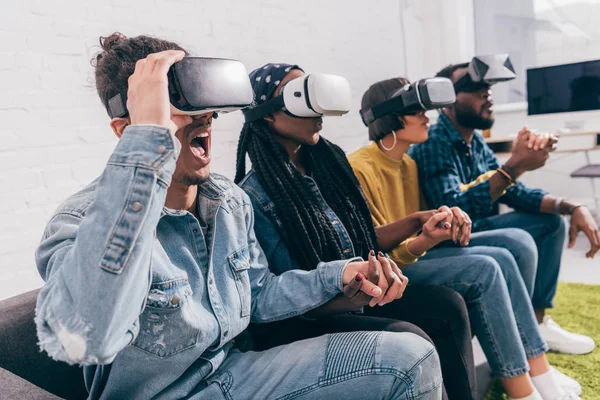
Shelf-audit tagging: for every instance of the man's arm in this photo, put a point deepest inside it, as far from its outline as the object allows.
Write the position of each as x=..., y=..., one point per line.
x=530, y=151
x=441, y=182
x=436, y=166
x=97, y=266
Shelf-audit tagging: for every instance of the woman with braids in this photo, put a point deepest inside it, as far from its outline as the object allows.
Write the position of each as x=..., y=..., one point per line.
x=521, y=363
x=309, y=209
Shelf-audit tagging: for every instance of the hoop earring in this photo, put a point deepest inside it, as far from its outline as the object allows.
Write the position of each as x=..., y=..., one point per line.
x=391, y=148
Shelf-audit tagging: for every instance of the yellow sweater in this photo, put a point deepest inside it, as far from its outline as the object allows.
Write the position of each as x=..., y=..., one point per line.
x=391, y=188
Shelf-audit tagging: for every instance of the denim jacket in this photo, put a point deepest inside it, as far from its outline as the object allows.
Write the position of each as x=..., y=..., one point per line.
x=138, y=293
x=269, y=227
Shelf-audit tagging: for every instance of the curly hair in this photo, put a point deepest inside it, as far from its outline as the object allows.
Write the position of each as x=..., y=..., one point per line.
x=116, y=62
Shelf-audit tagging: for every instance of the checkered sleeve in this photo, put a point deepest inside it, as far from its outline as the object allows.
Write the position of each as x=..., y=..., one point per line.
x=440, y=181
x=519, y=196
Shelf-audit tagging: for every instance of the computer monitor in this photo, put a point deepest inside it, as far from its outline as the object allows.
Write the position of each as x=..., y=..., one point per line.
x=564, y=88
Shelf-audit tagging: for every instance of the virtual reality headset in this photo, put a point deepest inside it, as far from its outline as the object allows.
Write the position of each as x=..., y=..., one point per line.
x=426, y=94
x=484, y=71
x=308, y=96
x=200, y=85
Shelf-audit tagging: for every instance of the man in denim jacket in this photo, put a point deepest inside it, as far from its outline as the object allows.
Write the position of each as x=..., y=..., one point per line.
x=153, y=269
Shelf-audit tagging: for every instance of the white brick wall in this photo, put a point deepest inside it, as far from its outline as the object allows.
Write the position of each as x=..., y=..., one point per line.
x=54, y=133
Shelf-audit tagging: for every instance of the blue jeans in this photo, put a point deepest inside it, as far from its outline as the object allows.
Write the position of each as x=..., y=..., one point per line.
x=352, y=365
x=548, y=232
x=499, y=308
x=519, y=243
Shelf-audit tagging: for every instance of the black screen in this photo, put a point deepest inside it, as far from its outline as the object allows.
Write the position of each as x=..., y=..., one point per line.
x=564, y=88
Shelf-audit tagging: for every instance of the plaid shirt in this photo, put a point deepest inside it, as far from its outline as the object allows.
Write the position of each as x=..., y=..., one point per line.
x=446, y=162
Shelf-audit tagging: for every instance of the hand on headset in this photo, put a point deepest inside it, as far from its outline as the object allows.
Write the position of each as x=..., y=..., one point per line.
x=148, y=94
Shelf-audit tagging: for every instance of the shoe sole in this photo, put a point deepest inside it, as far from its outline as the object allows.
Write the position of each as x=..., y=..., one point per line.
x=558, y=349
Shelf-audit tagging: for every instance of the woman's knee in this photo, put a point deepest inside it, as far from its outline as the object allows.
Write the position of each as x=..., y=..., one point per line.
x=488, y=269
x=522, y=246
x=506, y=261
x=403, y=326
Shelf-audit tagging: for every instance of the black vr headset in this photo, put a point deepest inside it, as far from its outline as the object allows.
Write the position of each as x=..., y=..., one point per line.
x=426, y=94
x=199, y=85
x=484, y=71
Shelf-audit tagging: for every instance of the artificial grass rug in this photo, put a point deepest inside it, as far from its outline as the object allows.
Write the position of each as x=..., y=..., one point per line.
x=577, y=309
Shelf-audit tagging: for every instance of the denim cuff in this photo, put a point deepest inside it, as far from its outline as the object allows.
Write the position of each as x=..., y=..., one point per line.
x=532, y=353
x=332, y=273
x=511, y=373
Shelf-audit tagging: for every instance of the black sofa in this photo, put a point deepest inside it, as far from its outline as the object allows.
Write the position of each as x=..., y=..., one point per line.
x=25, y=371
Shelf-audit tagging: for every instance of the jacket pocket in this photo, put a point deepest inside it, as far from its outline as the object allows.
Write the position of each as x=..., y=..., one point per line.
x=166, y=324
x=239, y=261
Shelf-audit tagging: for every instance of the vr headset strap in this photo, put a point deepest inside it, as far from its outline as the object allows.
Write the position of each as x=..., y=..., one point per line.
x=381, y=109
x=462, y=82
x=266, y=108
x=117, y=105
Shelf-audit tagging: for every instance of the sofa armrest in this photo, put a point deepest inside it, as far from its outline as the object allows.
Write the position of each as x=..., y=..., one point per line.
x=14, y=387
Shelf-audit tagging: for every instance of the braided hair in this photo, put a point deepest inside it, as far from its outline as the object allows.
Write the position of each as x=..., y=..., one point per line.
x=308, y=231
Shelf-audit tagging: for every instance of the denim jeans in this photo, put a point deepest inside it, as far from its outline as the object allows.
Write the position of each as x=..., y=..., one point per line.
x=436, y=313
x=501, y=314
x=548, y=232
x=352, y=365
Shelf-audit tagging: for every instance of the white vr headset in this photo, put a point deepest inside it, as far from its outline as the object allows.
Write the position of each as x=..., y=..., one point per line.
x=484, y=71
x=308, y=96
x=422, y=95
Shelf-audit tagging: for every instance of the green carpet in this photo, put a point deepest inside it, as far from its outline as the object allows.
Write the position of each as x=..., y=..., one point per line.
x=577, y=310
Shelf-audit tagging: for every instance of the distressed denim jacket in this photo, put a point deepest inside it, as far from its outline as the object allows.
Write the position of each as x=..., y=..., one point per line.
x=269, y=227
x=141, y=295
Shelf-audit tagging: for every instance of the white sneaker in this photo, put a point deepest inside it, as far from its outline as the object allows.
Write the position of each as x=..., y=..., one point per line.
x=567, y=383
x=564, y=341
x=533, y=396
x=566, y=396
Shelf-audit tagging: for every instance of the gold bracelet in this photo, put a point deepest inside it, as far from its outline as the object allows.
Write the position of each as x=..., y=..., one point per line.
x=410, y=252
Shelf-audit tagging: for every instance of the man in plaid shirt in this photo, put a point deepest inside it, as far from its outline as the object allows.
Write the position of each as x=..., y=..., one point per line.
x=457, y=168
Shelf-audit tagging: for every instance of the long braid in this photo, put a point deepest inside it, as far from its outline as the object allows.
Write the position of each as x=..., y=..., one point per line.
x=308, y=231
x=342, y=192
x=242, y=149
x=274, y=183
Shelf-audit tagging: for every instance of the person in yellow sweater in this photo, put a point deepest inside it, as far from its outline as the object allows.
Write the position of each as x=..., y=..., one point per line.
x=390, y=183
